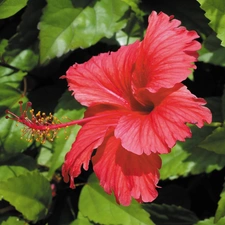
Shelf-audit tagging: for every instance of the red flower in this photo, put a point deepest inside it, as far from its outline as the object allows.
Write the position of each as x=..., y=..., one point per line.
x=137, y=107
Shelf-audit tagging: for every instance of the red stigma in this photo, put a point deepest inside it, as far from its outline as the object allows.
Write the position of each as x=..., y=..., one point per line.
x=37, y=126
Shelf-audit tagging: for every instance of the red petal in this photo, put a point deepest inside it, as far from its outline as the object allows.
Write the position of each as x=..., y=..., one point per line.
x=126, y=174
x=159, y=130
x=90, y=136
x=166, y=54
x=105, y=78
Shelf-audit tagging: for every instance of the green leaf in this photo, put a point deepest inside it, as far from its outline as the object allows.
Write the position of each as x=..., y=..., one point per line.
x=174, y=165
x=188, y=158
x=212, y=52
x=223, y=105
x=24, y=60
x=3, y=45
x=134, y=6
x=67, y=109
x=12, y=220
x=215, y=142
x=102, y=208
x=15, y=165
x=27, y=31
x=9, y=96
x=10, y=133
x=132, y=32
x=13, y=79
x=220, y=212
x=45, y=154
x=18, y=54
x=30, y=194
x=67, y=25
x=215, y=12
x=216, y=57
x=81, y=220
x=210, y=221
x=10, y=7
x=170, y=214
x=215, y=106
x=192, y=21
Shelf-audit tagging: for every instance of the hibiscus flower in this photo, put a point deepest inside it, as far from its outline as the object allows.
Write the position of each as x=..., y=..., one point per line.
x=137, y=108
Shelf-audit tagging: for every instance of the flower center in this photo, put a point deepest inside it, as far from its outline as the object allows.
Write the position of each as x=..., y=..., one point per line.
x=42, y=127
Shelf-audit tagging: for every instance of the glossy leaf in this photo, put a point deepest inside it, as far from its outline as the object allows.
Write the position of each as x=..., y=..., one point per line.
x=170, y=214
x=102, y=208
x=33, y=204
x=220, y=212
x=187, y=158
x=67, y=109
x=215, y=12
x=67, y=25
x=10, y=7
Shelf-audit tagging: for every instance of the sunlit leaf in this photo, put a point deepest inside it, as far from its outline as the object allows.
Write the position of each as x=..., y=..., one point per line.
x=67, y=109
x=170, y=214
x=10, y=7
x=30, y=194
x=12, y=220
x=102, y=208
x=220, y=212
x=187, y=158
x=215, y=12
x=210, y=221
x=67, y=25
